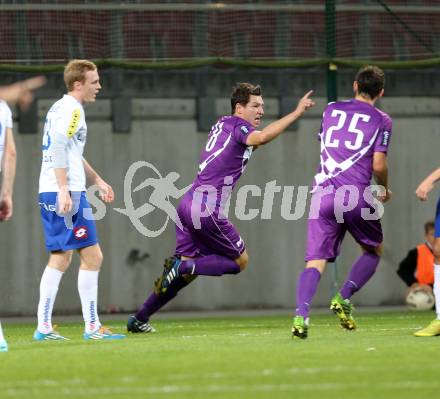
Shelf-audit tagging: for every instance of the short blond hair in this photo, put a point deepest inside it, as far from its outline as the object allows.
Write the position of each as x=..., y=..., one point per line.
x=75, y=71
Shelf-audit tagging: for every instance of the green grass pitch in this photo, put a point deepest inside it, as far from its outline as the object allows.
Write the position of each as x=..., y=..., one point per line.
x=229, y=357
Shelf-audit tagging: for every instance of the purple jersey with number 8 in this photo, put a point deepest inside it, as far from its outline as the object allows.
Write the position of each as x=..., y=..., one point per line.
x=222, y=162
x=225, y=154
x=351, y=132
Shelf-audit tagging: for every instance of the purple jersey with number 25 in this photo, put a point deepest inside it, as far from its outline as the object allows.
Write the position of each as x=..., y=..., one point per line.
x=351, y=132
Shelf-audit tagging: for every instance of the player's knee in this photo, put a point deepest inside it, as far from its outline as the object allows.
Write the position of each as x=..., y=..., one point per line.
x=60, y=260
x=242, y=261
x=93, y=261
x=374, y=250
x=379, y=250
x=98, y=259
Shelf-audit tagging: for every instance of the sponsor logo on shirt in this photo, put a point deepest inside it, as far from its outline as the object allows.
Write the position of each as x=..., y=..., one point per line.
x=48, y=207
x=74, y=122
x=244, y=129
x=385, y=138
x=80, y=233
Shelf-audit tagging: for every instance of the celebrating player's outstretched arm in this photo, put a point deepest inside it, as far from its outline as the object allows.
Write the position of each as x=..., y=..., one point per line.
x=274, y=129
x=21, y=92
x=427, y=185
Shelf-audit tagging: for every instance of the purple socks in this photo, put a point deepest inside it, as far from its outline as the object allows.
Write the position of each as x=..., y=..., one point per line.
x=306, y=288
x=155, y=302
x=211, y=265
x=360, y=273
x=362, y=270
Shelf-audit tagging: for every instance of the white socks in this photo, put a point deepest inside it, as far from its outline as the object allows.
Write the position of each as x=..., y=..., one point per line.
x=48, y=292
x=2, y=338
x=437, y=289
x=88, y=292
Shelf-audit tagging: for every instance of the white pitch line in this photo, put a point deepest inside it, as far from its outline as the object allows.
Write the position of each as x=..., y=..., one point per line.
x=173, y=389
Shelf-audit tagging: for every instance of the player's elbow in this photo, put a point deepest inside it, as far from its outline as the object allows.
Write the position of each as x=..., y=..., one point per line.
x=11, y=153
x=380, y=167
x=380, y=174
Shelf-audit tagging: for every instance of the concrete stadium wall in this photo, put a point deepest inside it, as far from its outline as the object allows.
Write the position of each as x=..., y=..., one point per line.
x=164, y=133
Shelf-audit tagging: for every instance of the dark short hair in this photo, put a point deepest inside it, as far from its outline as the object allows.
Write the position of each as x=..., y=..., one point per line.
x=370, y=80
x=241, y=93
x=429, y=226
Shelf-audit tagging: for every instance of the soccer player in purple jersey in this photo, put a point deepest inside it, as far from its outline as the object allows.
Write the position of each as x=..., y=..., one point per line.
x=208, y=244
x=354, y=142
x=422, y=192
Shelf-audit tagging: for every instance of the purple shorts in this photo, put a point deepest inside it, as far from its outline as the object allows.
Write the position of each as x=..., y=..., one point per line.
x=213, y=235
x=325, y=234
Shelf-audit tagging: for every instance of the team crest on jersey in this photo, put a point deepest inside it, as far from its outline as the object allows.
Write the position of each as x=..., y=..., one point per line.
x=74, y=122
x=80, y=233
x=244, y=129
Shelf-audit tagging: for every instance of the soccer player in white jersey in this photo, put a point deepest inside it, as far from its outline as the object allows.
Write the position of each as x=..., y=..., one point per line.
x=62, y=203
x=422, y=192
x=20, y=92
x=7, y=167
